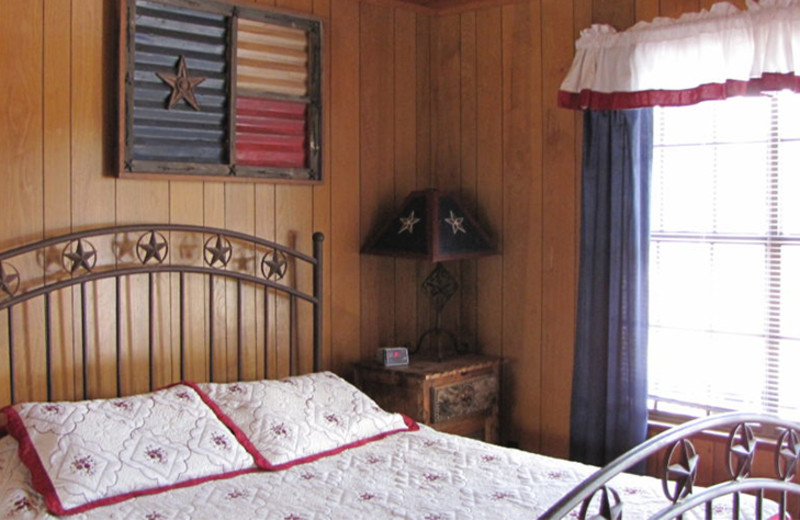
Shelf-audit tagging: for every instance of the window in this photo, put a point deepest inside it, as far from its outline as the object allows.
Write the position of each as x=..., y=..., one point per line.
x=725, y=257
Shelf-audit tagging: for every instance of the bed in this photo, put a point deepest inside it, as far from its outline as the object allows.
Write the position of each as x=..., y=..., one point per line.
x=146, y=420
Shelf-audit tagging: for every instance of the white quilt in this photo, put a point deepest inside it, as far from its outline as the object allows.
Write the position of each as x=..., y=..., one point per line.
x=422, y=475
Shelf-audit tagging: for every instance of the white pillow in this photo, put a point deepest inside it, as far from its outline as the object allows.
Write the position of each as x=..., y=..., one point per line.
x=87, y=454
x=299, y=419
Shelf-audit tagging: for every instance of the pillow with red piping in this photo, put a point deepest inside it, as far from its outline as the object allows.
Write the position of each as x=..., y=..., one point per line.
x=87, y=454
x=303, y=418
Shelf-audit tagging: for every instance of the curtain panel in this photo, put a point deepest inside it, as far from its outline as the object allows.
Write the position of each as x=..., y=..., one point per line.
x=609, y=394
x=714, y=54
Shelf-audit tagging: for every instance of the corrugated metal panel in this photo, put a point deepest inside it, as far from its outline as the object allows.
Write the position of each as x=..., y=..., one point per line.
x=164, y=33
x=271, y=58
x=270, y=132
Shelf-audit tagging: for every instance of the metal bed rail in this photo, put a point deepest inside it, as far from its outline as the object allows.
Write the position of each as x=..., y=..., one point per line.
x=595, y=498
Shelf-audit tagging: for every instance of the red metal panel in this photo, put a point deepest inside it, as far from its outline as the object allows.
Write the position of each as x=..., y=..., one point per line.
x=270, y=132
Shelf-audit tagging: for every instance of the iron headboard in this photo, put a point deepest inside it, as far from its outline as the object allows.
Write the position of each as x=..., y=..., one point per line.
x=39, y=269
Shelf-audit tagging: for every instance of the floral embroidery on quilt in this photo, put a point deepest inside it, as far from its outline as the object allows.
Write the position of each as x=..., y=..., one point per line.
x=237, y=493
x=22, y=505
x=86, y=452
x=302, y=418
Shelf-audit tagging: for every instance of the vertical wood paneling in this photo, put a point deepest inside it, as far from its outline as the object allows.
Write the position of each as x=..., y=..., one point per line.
x=186, y=207
x=322, y=194
x=294, y=228
x=446, y=135
x=240, y=216
x=490, y=178
x=344, y=178
x=141, y=202
x=377, y=165
x=462, y=101
x=405, y=164
x=674, y=8
x=469, y=175
x=93, y=192
x=618, y=13
x=214, y=216
x=424, y=150
x=559, y=231
x=522, y=221
x=266, y=339
x=21, y=197
x=57, y=179
x=646, y=10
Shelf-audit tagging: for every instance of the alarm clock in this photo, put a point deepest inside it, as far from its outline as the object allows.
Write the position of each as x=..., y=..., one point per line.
x=393, y=356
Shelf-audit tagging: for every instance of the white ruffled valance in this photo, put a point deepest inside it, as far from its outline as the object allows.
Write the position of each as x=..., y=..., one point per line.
x=713, y=54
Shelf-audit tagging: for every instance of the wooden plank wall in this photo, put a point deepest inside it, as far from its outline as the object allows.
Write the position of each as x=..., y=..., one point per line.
x=501, y=142
x=58, y=90
x=462, y=100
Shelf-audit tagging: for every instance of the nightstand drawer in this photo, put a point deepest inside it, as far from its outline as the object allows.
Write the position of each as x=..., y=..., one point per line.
x=459, y=395
x=464, y=398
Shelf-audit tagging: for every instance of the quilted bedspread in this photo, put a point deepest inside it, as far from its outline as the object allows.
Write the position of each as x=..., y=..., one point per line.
x=423, y=475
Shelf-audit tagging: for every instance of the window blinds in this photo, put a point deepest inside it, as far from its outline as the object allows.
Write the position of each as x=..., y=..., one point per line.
x=725, y=257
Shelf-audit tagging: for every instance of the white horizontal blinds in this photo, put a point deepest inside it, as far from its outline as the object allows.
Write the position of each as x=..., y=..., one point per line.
x=725, y=257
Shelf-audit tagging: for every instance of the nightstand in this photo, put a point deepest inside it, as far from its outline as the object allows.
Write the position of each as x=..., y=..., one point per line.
x=458, y=395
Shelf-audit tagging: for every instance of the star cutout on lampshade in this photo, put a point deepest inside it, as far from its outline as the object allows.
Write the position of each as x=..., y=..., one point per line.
x=456, y=223
x=183, y=85
x=408, y=223
x=431, y=225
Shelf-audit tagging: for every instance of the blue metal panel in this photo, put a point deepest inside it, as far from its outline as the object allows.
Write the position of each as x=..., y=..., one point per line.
x=163, y=34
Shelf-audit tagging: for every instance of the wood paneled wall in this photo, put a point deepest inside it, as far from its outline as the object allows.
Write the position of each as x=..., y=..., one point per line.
x=463, y=101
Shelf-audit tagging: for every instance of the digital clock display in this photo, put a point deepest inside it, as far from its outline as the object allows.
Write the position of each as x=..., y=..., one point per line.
x=394, y=356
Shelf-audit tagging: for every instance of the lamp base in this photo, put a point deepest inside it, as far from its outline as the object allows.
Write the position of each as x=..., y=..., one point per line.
x=436, y=334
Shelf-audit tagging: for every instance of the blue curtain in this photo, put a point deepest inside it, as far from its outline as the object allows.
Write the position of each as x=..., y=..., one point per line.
x=609, y=396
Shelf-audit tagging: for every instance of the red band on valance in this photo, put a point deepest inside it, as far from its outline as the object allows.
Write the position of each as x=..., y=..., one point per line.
x=589, y=100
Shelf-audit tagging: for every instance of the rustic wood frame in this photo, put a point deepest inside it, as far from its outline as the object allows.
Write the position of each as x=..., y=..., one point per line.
x=130, y=167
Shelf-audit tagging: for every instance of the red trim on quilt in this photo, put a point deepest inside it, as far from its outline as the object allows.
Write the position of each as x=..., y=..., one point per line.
x=242, y=437
x=27, y=453
x=43, y=484
x=261, y=460
x=411, y=426
x=588, y=99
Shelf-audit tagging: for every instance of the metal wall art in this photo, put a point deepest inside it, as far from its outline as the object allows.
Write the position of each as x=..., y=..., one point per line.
x=213, y=89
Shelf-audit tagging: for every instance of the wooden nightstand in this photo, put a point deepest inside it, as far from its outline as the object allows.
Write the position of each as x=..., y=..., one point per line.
x=458, y=395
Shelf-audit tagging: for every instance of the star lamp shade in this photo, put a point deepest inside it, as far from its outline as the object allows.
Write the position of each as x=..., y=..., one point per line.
x=431, y=225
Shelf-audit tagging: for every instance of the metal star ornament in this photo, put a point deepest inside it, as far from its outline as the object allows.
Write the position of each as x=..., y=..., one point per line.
x=154, y=247
x=788, y=455
x=182, y=84
x=220, y=252
x=9, y=281
x=274, y=264
x=684, y=470
x=741, y=450
x=81, y=257
x=408, y=223
x=457, y=223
